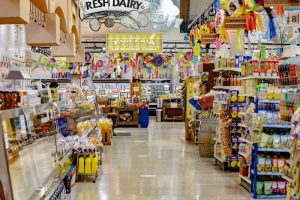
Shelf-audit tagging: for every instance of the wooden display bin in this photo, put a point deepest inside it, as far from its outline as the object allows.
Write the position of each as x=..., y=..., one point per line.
x=172, y=113
x=131, y=120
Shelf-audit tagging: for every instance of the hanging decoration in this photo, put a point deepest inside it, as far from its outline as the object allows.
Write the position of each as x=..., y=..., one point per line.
x=158, y=61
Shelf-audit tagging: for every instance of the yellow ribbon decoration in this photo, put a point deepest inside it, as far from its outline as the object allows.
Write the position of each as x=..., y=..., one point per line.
x=259, y=24
x=239, y=40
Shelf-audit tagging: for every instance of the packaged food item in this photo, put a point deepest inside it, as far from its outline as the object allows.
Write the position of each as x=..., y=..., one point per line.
x=275, y=189
x=274, y=165
x=234, y=112
x=284, y=140
x=265, y=139
x=281, y=164
x=269, y=118
x=268, y=164
x=268, y=187
x=234, y=96
x=261, y=164
x=259, y=187
x=276, y=141
x=282, y=187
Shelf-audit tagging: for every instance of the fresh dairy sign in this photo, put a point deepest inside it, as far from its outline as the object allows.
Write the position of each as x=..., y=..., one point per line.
x=95, y=6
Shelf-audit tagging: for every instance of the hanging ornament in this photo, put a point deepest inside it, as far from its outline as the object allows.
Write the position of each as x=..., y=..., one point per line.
x=188, y=56
x=251, y=21
x=271, y=32
x=158, y=60
x=88, y=57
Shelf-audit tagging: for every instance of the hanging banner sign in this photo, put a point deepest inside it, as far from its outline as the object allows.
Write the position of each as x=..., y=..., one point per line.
x=270, y=3
x=235, y=23
x=134, y=43
x=208, y=38
x=95, y=6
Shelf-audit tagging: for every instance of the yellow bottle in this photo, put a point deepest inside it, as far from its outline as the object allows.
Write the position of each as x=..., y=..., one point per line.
x=81, y=165
x=95, y=165
x=88, y=165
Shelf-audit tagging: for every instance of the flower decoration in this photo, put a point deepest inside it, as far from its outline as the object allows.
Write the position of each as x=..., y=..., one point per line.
x=188, y=56
x=88, y=57
x=158, y=60
x=100, y=64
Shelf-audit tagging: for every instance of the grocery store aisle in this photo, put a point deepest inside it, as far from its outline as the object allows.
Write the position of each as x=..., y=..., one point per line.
x=158, y=164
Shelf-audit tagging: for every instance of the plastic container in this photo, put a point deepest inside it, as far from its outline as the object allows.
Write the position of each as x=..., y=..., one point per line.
x=144, y=117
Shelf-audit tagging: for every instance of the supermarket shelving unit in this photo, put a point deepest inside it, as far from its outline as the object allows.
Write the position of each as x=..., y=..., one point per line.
x=255, y=175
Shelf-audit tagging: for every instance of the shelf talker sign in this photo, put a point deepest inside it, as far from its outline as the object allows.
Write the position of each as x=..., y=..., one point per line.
x=134, y=43
x=208, y=38
x=95, y=6
x=269, y=3
x=235, y=23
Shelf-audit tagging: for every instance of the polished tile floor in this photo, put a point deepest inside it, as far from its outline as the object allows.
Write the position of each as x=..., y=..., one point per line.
x=156, y=163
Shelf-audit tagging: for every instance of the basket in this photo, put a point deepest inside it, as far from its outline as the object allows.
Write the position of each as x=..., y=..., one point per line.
x=206, y=150
x=206, y=102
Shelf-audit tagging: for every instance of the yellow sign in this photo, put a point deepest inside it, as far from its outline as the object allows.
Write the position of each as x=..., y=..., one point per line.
x=134, y=43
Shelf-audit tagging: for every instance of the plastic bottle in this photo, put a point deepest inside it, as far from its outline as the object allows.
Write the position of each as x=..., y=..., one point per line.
x=95, y=164
x=88, y=165
x=81, y=165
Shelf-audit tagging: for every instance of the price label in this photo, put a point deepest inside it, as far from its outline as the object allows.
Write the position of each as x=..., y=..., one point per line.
x=136, y=89
x=269, y=3
x=173, y=105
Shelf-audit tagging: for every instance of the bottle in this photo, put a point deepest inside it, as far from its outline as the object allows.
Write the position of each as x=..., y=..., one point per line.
x=231, y=80
x=88, y=165
x=81, y=165
x=95, y=164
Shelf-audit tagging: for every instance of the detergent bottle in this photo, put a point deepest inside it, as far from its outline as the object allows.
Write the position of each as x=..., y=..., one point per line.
x=95, y=164
x=88, y=165
x=81, y=165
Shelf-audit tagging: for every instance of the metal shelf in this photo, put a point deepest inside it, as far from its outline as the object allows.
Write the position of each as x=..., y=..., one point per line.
x=290, y=180
x=276, y=126
x=227, y=87
x=219, y=159
x=272, y=196
x=260, y=77
x=269, y=101
x=228, y=69
x=274, y=150
x=268, y=173
x=248, y=180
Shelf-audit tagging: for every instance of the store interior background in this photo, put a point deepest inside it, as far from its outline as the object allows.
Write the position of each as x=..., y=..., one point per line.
x=68, y=39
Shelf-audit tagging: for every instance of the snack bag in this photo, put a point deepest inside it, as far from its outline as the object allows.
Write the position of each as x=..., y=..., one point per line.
x=275, y=189
x=281, y=164
x=268, y=187
x=274, y=165
x=259, y=187
x=282, y=187
x=276, y=141
x=268, y=164
x=261, y=164
x=264, y=140
x=284, y=141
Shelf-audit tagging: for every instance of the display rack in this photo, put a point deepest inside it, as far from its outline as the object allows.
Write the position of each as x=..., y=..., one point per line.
x=262, y=175
x=228, y=101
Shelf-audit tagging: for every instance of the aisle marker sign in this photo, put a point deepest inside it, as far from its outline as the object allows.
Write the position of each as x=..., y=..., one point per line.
x=95, y=6
x=134, y=43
